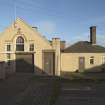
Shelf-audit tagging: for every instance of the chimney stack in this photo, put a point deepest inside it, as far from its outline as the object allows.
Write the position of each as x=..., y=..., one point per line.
x=93, y=35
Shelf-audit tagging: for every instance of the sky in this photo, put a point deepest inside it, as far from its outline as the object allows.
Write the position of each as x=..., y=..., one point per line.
x=67, y=19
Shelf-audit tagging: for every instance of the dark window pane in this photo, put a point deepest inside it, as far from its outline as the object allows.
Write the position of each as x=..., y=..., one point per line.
x=19, y=47
x=20, y=40
x=8, y=56
x=8, y=47
x=31, y=47
x=20, y=44
x=92, y=60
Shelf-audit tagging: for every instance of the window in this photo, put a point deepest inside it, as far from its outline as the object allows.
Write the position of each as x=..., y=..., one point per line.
x=20, y=44
x=8, y=47
x=31, y=47
x=8, y=56
x=103, y=59
x=91, y=60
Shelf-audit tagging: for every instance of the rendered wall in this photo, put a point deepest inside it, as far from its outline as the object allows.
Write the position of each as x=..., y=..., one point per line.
x=70, y=63
x=30, y=35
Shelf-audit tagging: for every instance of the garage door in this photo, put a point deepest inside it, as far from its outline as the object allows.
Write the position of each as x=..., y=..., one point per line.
x=24, y=62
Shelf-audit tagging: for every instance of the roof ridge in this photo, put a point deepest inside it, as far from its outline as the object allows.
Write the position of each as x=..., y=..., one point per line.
x=83, y=47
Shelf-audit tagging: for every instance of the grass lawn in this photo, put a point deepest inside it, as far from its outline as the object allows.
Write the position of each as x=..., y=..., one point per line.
x=98, y=76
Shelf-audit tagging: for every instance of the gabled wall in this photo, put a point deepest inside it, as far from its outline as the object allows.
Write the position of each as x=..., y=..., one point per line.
x=20, y=28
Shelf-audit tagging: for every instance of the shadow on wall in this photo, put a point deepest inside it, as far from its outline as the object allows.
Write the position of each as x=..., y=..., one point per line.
x=22, y=66
x=96, y=69
x=100, y=68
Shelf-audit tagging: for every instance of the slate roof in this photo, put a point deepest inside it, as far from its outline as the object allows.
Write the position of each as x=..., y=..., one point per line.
x=84, y=47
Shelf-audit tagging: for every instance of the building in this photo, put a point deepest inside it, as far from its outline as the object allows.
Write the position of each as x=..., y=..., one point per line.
x=24, y=49
x=84, y=55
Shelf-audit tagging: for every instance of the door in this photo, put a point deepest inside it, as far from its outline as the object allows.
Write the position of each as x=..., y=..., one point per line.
x=49, y=63
x=81, y=64
x=24, y=62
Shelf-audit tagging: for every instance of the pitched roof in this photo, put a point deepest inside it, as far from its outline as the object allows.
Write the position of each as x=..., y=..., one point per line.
x=30, y=27
x=84, y=47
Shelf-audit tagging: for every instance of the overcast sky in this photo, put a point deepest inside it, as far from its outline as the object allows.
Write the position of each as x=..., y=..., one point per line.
x=68, y=19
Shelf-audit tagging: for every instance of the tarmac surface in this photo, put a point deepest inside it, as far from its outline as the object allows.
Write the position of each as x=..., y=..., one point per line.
x=82, y=93
x=23, y=89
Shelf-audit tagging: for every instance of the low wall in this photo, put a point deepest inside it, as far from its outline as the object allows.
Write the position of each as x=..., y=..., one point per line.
x=2, y=70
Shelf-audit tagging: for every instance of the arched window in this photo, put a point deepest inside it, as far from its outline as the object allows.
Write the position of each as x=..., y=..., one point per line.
x=20, y=44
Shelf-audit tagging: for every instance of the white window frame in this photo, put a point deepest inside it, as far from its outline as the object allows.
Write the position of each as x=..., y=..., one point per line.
x=6, y=47
x=91, y=58
x=9, y=46
x=20, y=42
x=8, y=56
x=103, y=59
x=30, y=47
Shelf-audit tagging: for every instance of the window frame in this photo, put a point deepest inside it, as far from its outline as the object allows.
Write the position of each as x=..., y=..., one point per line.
x=91, y=60
x=20, y=43
x=103, y=59
x=31, y=47
x=8, y=56
x=6, y=47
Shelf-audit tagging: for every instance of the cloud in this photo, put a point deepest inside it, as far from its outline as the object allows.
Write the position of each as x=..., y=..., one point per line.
x=47, y=27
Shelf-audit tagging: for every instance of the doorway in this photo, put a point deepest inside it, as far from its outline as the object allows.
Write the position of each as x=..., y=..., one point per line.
x=49, y=63
x=24, y=62
x=81, y=64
